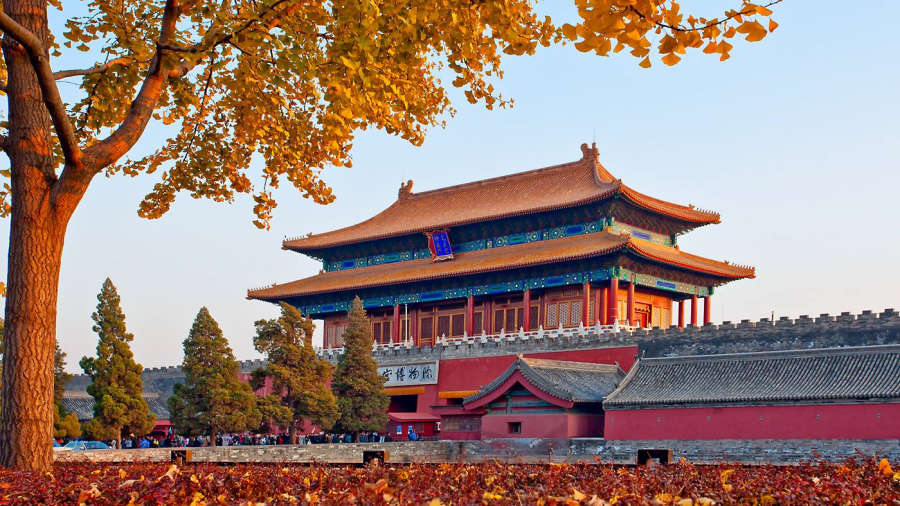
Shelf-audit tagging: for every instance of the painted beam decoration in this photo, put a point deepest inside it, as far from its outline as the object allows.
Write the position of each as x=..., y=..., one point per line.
x=439, y=244
x=400, y=375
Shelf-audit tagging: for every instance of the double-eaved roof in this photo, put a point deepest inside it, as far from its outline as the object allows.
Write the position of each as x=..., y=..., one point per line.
x=853, y=374
x=503, y=258
x=556, y=187
x=570, y=382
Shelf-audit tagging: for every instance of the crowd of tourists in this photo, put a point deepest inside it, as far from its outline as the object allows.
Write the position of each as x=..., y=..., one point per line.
x=176, y=441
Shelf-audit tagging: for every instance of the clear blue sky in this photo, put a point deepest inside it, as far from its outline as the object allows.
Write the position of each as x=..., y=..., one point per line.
x=794, y=141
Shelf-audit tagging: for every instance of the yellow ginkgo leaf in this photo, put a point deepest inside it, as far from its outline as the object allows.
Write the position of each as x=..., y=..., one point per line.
x=671, y=59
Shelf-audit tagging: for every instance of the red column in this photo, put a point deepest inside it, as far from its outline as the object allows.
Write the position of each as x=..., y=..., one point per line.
x=604, y=304
x=325, y=334
x=694, y=310
x=470, y=315
x=681, y=313
x=707, y=309
x=630, y=304
x=488, y=318
x=395, y=326
x=526, y=315
x=612, y=302
x=586, y=303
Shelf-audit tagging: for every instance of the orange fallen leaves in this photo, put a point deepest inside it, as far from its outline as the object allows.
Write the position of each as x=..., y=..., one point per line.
x=594, y=484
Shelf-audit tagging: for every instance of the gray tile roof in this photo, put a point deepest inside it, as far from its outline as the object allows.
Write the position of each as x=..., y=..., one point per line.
x=867, y=373
x=572, y=381
x=82, y=404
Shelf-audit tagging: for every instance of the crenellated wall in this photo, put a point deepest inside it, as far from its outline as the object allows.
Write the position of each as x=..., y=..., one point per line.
x=825, y=331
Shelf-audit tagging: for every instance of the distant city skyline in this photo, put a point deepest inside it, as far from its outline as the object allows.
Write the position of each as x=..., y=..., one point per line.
x=794, y=141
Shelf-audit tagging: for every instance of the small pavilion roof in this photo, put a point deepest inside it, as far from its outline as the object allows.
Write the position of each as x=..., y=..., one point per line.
x=545, y=189
x=499, y=259
x=857, y=374
x=572, y=382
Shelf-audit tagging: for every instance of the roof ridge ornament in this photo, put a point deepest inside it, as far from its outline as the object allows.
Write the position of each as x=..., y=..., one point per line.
x=405, y=190
x=590, y=152
x=591, y=155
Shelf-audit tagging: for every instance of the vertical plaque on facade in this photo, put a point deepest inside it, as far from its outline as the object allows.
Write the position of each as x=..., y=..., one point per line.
x=439, y=245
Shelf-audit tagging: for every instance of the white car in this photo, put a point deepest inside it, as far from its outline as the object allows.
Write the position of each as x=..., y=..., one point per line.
x=82, y=446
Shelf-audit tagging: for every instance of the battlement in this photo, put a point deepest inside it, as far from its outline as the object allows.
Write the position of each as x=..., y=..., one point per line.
x=824, y=331
x=804, y=332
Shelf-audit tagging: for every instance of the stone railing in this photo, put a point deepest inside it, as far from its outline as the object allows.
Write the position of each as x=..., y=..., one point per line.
x=449, y=347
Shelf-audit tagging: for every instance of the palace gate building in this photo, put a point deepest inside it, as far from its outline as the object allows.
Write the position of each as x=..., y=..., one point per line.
x=548, y=251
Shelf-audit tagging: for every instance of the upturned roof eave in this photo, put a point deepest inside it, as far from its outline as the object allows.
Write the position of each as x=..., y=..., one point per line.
x=748, y=272
x=303, y=249
x=626, y=244
x=589, y=161
x=419, y=279
x=617, y=189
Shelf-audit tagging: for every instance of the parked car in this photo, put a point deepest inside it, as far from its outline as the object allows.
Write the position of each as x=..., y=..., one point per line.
x=81, y=446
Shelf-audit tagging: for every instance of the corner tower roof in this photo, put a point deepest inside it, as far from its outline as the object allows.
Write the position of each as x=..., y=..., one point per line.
x=549, y=188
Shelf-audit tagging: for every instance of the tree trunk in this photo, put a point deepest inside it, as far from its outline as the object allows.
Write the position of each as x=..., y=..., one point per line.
x=35, y=249
x=212, y=437
x=119, y=439
x=292, y=432
x=36, y=235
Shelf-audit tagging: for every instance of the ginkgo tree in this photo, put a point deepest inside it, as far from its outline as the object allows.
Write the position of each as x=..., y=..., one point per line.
x=287, y=82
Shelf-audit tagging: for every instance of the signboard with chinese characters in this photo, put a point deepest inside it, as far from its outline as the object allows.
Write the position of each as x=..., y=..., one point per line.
x=400, y=375
x=439, y=245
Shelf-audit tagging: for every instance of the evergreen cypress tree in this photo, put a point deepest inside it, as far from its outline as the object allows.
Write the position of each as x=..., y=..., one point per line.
x=213, y=398
x=116, y=385
x=65, y=424
x=357, y=384
x=299, y=377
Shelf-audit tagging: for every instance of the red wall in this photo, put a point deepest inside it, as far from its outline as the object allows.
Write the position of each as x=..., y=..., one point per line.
x=533, y=426
x=585, y=425
x=562, y=425
x=823, y=421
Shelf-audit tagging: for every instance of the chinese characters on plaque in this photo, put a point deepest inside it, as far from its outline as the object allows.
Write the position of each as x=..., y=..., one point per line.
x=409, y=374
x=439, y=245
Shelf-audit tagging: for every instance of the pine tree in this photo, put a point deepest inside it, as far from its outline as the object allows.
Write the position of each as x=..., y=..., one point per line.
x=65, y=424
x=299, y=377
x=213, y=398
x=116, y=384
x=357, y=384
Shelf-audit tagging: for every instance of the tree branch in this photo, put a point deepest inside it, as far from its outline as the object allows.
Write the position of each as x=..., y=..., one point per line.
x=96, y=69
x=680, y=28
x=74, y=180
x=40, y=61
